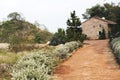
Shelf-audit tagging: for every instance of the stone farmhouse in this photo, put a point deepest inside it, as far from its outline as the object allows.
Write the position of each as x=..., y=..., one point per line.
x=94, y=26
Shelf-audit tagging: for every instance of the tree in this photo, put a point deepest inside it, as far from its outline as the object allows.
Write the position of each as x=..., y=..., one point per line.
x=96, y=10
x=58, y=38
x=14, y=16
x=74, y=30
x=74, y=21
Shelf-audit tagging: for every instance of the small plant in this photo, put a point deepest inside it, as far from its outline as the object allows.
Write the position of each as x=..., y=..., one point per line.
x=35, y=66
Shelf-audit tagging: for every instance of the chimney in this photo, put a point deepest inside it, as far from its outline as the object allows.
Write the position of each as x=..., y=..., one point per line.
x=103, y=18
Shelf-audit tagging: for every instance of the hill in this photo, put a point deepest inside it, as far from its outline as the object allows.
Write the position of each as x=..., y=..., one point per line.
x=22, y=31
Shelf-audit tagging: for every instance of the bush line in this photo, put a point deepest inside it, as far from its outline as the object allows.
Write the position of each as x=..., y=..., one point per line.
x=40, y=65
x=115, y=46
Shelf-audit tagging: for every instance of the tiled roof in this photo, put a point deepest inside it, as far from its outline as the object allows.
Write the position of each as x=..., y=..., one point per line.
x=105, y=20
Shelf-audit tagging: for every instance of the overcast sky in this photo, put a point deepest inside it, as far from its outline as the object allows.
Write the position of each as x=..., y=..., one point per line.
x=52, y=13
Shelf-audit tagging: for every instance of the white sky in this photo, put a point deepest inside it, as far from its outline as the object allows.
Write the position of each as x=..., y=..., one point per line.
x=52, y=13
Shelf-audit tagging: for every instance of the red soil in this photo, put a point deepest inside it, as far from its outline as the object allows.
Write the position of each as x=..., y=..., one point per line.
x=94, y=61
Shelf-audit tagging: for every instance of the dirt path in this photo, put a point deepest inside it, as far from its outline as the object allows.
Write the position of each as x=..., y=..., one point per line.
x=94, y=61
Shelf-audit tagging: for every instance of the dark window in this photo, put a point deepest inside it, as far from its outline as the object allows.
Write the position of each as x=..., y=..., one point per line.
x=100, y=32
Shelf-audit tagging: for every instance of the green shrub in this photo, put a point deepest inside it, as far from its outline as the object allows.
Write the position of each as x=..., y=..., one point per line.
x=82, y=37
x=40, y=65
x=58, y=38
x=115, y=40
x=115, y=45
x=35, y=66
x=73, y=45
x=64, y=51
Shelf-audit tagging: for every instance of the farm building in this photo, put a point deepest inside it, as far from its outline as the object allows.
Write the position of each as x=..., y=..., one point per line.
x=95, y=26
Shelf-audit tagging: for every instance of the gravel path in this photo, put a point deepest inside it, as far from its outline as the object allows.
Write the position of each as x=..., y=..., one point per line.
x=94, y=61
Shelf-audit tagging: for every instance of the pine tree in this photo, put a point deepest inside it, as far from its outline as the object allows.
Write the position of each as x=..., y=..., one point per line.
x=74, y=30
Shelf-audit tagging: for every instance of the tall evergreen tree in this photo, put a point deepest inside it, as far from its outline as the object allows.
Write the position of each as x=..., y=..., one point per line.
x=74, y=30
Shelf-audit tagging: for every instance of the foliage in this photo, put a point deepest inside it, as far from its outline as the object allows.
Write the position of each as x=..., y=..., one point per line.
x=82, y=37
x=18, y=29
x=73, y=45
x=43, y=36
x=18, y=32
x=64, y=51
x=96, y=10
x=75, y=36
x=23, y=30
x=115, y=45
x=74, y=21
x=35, y=66
x=37, y=38
x=109, y=11
x=58, y=38
x=74, y=31
x=10, y=58
x=15, y=16
x=39, y=65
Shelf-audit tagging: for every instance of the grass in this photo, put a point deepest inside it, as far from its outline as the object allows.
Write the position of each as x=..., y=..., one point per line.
x=7, y=59
x=12, y=57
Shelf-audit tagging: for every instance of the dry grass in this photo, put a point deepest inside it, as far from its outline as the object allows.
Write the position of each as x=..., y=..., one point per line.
x=7, y=59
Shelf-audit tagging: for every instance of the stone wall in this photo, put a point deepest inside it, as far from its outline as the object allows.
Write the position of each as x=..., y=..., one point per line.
x=92, y=27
